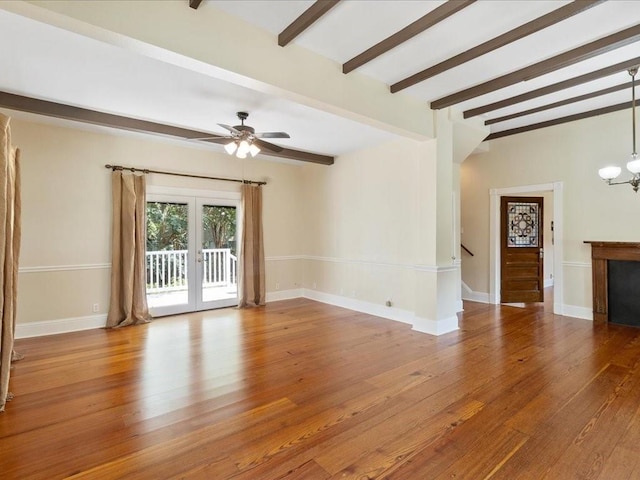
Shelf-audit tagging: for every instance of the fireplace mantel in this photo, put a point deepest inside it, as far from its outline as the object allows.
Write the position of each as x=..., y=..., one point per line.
x=601, y=253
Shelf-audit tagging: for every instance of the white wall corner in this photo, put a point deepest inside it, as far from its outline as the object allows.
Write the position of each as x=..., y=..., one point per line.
x=577, y=312
x=468, y=294
x=65, y=325
x=435, y=327
x=467, y=136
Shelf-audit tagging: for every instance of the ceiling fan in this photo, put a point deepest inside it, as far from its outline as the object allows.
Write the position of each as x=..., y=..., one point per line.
x=243, y=139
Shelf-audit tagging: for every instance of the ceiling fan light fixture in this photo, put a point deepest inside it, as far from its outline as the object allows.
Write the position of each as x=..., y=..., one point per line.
x=243, y=149
x=231, y=147
x=243, y=139
x=254, y=150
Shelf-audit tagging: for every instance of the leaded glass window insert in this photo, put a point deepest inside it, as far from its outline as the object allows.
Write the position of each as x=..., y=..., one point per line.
x=522, y=224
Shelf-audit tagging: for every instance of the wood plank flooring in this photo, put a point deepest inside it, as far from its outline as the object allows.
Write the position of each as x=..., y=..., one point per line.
x=299, y=390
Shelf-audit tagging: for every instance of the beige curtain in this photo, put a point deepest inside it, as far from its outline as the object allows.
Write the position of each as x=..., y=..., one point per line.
x=251, y=282
x=128, y=305
x=9, y=252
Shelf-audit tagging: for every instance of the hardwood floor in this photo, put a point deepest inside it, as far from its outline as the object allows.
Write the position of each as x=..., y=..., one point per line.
x=302, y=390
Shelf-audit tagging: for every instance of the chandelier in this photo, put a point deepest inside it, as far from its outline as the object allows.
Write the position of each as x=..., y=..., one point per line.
x=610, y=173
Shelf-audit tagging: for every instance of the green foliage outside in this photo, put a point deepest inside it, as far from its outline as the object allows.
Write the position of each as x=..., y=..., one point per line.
x=219, y=227
x=167, y=227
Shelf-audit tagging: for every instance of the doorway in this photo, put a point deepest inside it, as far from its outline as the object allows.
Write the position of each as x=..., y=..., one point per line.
x=521, y=249
x=495, y=256
x=191, y=257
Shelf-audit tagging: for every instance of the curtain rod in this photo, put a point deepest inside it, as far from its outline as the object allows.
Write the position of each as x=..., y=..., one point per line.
x=146, y=170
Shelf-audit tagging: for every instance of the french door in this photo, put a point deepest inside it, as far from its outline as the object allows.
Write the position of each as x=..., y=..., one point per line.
x=191, y=258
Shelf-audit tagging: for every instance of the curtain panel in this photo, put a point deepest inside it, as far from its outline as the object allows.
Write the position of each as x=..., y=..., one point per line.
x=251, y=278
x=128, y=302
x=10, y=213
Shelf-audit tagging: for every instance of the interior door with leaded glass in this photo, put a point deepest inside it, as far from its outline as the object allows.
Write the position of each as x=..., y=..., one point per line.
x=521, y=252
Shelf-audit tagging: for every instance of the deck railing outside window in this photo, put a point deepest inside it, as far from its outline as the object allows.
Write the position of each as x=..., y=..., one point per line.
x=167, y=269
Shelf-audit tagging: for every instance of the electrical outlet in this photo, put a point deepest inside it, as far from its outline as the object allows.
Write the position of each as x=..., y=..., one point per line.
x=277, y=286
x=95, y=308
x=314, y=285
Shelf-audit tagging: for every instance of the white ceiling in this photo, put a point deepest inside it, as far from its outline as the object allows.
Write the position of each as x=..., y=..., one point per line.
x=335, y=37
x=50, y=63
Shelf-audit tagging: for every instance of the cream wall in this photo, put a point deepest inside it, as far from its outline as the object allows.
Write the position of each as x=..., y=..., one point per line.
x=359, y=233
x=66, y=194
x=362, y=237
x=374, y=235
x=572, y=154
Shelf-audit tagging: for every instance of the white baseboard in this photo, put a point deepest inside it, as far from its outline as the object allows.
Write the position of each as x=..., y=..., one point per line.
x=577, y=312
x=548, y=283
x=433, y=327
x=64, y=325
x=383, y=311
x=468, y=294
x=424, y=325
x=285, y=294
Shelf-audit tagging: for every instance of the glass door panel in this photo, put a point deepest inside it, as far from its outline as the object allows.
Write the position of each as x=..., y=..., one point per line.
x=168, y=256
x=217, y=254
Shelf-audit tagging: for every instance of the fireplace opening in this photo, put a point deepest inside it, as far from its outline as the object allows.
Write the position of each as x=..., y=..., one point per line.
x=624, y=292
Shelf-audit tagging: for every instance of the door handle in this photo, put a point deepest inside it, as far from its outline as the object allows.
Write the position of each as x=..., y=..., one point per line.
x=541, y=253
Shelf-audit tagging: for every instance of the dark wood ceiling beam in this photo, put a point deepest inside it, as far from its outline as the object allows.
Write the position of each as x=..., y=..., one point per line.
x=195, y=4
x=427, y=21
x=304, y=21
x=68, y=112
x=584, y=52
x=551, y=18
x=556, y=87
x=561, y=120
x=561, y=103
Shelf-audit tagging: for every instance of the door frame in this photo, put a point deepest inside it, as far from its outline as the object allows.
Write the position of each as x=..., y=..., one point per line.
x=558, y=230
x=187, y=195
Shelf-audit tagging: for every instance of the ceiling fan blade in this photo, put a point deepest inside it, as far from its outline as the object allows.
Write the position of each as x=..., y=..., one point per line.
x=272, y=135
x=219, y=140
x=212, y=137
x=230, y=128
x=267, y=146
